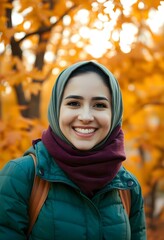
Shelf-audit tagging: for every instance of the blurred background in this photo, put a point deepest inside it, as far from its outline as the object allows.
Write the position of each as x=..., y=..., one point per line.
x=40, y=38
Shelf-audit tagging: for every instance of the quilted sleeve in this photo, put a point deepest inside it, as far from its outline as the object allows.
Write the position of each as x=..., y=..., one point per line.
x=15, y=188
x=137, y=215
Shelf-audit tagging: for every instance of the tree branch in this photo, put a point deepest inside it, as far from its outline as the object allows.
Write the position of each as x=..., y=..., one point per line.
x=45, y=29
x=142, y=106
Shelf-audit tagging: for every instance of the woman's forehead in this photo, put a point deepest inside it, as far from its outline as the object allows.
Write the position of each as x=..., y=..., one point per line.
x=87, y=86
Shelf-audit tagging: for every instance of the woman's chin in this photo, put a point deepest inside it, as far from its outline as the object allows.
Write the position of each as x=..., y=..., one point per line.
x=83, y=146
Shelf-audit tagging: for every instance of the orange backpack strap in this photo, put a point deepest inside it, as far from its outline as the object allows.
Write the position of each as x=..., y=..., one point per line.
x=125, y=196
x=38, y=196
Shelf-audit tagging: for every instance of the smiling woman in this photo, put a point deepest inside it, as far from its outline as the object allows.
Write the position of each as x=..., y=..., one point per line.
x=81, y=155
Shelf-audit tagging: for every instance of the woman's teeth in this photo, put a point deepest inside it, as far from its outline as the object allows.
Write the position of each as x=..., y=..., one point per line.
x=84, y=130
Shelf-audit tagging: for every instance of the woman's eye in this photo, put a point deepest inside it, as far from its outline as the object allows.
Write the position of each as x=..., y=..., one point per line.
x=73, y=104
x=100, y=105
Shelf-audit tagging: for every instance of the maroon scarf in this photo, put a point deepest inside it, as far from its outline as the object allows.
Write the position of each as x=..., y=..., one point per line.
x=90, y=170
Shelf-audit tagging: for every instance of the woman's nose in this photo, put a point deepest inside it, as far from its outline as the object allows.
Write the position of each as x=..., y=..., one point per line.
x=86, y=115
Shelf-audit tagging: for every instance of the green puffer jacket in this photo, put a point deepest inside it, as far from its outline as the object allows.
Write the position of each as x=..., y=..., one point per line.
x=67, y=214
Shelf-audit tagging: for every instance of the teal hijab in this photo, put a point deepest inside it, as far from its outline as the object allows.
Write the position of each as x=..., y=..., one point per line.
x=57, y=93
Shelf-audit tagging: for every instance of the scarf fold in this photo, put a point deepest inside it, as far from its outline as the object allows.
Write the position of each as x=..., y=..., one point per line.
x=90, y=170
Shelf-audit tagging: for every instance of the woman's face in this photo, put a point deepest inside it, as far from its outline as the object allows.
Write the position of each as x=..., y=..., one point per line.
x=85, y=112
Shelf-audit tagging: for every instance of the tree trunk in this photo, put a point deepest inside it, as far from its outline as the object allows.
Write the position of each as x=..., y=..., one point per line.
x=16, y=51
x=34, y=105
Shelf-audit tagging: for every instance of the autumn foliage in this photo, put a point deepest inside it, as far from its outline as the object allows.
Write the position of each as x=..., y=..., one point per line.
x=39, y=38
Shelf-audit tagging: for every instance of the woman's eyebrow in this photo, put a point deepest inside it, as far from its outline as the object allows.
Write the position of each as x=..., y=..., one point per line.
x=80, y=97
x=74, y=96
x=100, y=98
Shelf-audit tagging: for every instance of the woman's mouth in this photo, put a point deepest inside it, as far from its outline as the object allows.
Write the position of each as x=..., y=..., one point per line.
x=85, y=130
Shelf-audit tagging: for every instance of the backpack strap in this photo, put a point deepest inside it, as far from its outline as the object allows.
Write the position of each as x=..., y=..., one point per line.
x=125, y=196
x=38, y=196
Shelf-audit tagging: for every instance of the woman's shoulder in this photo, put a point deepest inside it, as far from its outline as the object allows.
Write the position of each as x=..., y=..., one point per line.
x=132, y=183
x=125, y=179
x=128, y=181
x=16, y=179
x=18, y=169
